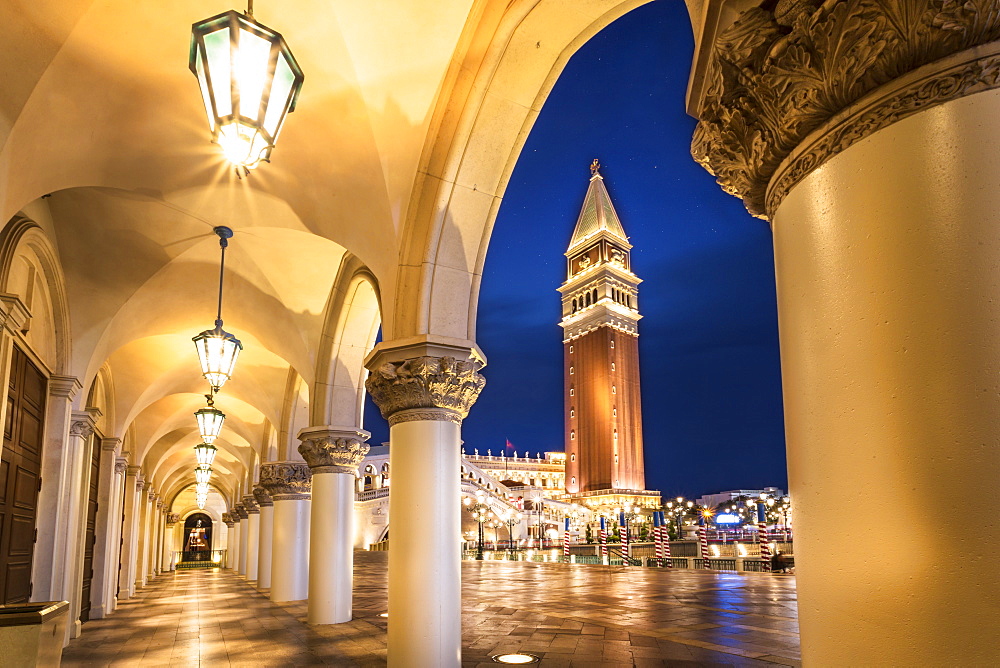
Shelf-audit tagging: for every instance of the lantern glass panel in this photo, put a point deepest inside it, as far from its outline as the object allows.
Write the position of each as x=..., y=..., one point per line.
x=199, y=65
x=201, y=488
x=217, y=50
x=281, y=88
x=203, y=474
x=251, y=69
x=201, y=503
x=218, y=351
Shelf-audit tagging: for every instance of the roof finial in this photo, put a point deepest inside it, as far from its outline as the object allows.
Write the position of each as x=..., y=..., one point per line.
x=594, y=166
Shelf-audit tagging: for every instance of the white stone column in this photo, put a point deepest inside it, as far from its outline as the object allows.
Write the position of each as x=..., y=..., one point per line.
x=253, y=535
x=333, y=455
x=234, y=544
x=289, y=484
x=265, y=537
x=107, y=521
x=80, y=445
x=424, y=398
x=160, y=517
x=128, y=575
x=230, y=523
x=169, y=534
x=113, y=559
x=145, y=535
x=880, y=179
x=241, y=510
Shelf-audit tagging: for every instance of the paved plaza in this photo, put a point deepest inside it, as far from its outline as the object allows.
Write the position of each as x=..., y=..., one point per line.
x=570, y=615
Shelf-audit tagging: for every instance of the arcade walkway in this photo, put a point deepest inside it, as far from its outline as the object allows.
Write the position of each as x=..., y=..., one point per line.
x=570, y=615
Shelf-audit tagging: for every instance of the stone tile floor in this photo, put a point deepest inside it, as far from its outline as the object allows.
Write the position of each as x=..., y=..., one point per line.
x=570, y=615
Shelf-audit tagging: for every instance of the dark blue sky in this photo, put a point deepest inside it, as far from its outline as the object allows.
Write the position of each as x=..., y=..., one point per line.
x=708, y=343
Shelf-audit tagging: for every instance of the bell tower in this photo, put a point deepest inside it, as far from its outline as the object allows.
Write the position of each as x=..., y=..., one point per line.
x=600, y=317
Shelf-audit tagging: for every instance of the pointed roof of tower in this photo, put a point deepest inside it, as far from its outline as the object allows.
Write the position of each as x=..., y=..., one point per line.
x=597, y=213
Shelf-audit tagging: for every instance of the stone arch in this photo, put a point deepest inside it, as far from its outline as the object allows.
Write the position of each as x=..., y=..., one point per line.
x=481, y=122
x=351, y=321
x=30, y=269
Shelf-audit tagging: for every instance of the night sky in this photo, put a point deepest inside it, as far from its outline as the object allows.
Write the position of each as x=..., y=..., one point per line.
x=708, y=343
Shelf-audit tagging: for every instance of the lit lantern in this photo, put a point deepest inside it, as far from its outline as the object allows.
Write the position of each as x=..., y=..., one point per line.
x=201, y=501
x=210, y=421
x=249, y=81
x=217, y=349
x=204, y=453
x=203, y=474
x=201, y=489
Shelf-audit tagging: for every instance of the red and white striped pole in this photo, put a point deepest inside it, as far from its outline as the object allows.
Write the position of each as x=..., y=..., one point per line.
x=603, y=538
x=765, y=547
x=703, y=542
x=665, y=541
x=623, y=532
x=566, y=540
x=657, y=539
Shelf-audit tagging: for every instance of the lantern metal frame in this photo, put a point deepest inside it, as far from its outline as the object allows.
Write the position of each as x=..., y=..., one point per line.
x=203, y=474
x=257, y=127
x=210, y=417
x=217, y=349
x=204, y=453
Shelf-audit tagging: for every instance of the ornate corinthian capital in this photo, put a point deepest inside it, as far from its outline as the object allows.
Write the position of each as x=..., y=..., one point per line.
x=250, y=504
x=433, y=388
x=240, y=509
x=777, y=77
x=263, y=498
x=332, y=450
x=286, y=481
x=172, y=518
x=228, y=519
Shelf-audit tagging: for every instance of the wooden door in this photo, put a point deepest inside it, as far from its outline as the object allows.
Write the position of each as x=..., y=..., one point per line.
x=20, y=476
x=90, y=539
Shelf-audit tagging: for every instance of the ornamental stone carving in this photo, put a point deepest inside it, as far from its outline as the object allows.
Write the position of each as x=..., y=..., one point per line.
x=777, y=75
x=250, y=504
x=228, y=519
x=81, y=428
x=331, y=451
x=140, y=482
x=263, y=498
x=286, y=481
x=172, y=518
x=121, y=466
x=241, y=510
x=435, y=388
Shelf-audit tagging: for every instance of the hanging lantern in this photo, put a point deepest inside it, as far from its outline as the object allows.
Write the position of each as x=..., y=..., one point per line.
x=249, y=81
x=202, y=474
x=217, y=349
x=201, y=489
x=210, y=421
x=201, y=501
x=204, y=453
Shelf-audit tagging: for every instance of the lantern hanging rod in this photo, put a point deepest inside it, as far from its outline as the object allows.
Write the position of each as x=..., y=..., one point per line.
x=250, y=8
x=225, y=234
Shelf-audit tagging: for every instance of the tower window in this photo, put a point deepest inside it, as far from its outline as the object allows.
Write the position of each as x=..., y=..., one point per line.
x=595, y=295
x=612, y=344
x=616, y=438
x=572, y=436
x=571, y=371
x=628, y=301
x=574, y=306
x=588, y=299
x=614, y=412
x=614, y=390
x=616, y=459
x=572, y=480
x=571, y=392
x=612, y=366
x=571, y=349
x=572, y=413
x=572, y=458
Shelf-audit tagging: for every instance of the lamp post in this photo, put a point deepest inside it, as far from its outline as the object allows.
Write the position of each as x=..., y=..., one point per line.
x=249, y=82
x=480, y=512
x=539, y=503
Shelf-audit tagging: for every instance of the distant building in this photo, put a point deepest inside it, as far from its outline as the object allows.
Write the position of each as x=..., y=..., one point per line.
x=713, y=500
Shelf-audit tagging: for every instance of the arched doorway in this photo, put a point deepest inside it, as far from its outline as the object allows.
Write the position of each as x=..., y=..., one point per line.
x=198, y=537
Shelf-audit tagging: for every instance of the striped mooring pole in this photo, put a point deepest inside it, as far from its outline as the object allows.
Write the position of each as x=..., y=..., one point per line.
x=623, y=533
x=703, y=541
x=603, y=538
x=657, y=540
x=665, y=541
x=566, y=540
x=765, y=547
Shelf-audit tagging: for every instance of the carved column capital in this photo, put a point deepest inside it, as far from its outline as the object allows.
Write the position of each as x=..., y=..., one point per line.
x=250, y=504
x=286, y=481
x=426, y=388
x=14, y=315
x=810, y=78
x=83, y=423
x=110, y=444
x=333, y=450
x=172, y=519
x=241, y=510
x=264, y=499
x=64, y=387
x=228, y=519
x=121, y=466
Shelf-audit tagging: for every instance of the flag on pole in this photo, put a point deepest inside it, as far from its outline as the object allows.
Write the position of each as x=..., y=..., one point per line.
x=603, y=538
x=566, y=540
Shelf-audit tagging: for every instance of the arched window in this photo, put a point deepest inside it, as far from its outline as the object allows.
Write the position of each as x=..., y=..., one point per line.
x=614, y=390
x=588, y=299
x=571, y=392
x=628, y=301
x=595, y=295
x=571, y=371
x=574, y=306
x=612, y=344
x=572, y=458
x=572, y=436
x=572, y=413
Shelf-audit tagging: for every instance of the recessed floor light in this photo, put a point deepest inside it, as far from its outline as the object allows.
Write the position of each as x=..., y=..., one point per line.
x=518, y=658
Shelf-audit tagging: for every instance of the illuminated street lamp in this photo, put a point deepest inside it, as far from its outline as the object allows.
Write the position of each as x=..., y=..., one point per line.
x=217, y=349
x=249, y=81
x=210, y=421
x=202, y=474
x=204, y=454
x=480, y=513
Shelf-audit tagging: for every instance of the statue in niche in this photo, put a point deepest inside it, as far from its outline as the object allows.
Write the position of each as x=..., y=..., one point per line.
x=196, y=539
x=617, y=257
